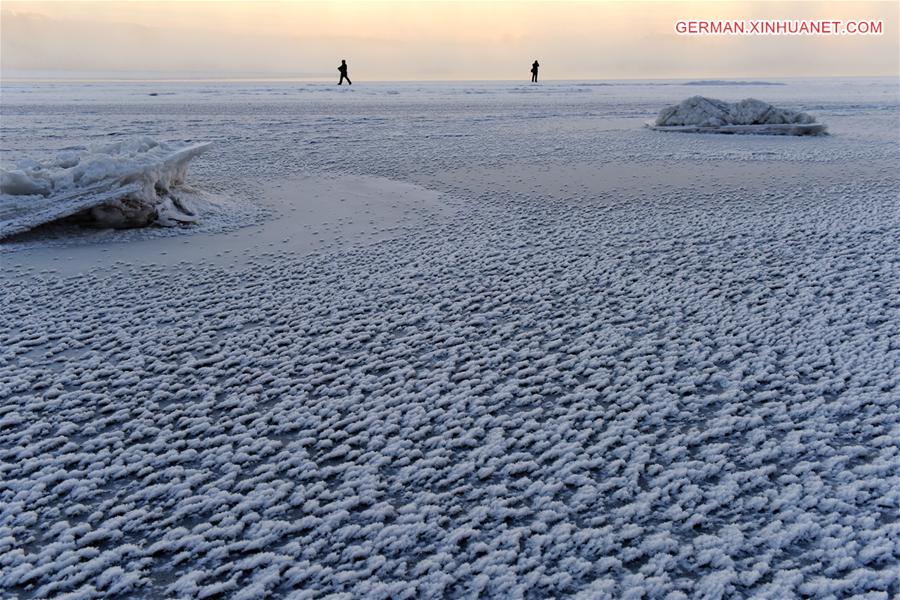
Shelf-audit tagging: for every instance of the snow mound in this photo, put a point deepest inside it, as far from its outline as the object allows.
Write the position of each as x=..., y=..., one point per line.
x=701, y=114
x=131, y=183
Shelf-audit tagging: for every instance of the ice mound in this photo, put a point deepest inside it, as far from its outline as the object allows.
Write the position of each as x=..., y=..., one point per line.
x=727, y=82
x=131, y=183
x=701, y=114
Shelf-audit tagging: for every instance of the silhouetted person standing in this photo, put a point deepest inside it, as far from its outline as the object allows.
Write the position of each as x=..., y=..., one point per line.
x=343, y=70
x=534, y=70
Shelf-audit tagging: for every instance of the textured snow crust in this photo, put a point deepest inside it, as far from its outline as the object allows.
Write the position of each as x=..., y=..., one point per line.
x=675, y=382
x=554, y=407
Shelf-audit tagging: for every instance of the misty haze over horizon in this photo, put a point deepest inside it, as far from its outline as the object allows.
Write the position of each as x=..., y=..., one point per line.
x=443, y=41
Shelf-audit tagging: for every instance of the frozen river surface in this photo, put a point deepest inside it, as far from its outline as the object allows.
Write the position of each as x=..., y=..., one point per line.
x=466, y=340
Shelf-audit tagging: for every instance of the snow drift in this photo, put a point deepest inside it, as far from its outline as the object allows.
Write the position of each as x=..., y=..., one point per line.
x=131, y=183
x=707, y=115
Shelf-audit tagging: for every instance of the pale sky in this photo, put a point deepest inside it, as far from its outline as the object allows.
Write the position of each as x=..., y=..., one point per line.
x=431, y=39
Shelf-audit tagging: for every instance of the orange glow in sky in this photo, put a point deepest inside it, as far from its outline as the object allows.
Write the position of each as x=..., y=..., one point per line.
x=437, y=39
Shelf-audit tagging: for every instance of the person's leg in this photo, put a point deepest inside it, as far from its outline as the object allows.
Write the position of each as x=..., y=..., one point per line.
x=342, y=80
x=349, y=82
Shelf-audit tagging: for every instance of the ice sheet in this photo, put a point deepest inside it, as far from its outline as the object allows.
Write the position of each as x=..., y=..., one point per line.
x=626, y=365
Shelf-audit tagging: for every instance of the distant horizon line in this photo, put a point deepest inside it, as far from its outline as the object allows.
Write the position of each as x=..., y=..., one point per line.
x=101, y=78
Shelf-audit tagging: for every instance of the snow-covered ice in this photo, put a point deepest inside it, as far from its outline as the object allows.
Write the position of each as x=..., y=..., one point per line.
x=545, y=352
x=699, y=114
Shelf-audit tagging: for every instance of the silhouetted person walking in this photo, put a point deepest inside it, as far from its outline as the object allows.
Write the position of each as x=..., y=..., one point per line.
x=534, y=70
x=343, y=70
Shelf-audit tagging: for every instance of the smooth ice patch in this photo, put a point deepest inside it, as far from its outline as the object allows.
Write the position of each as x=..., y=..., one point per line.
x=298, y=215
